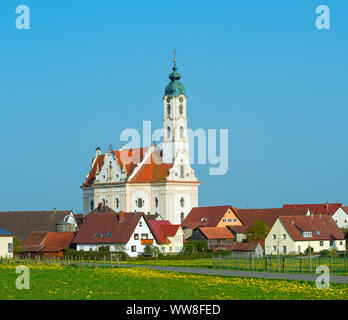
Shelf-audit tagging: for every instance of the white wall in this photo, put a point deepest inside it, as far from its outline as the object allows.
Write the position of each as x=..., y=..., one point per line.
x=4, y=241
x=341, y=218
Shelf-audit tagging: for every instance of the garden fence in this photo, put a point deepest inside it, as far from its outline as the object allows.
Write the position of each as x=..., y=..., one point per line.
x=288, y=264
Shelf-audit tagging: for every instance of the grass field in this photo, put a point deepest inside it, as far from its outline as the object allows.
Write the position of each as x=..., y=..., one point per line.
x=69, y=282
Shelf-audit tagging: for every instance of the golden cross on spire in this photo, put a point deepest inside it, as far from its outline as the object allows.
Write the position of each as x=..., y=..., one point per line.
x=174, y=55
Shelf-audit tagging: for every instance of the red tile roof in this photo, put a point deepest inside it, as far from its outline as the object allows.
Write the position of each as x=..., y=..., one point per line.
x=323, y=208
x=47, y=241
x=245, y=246
x=205, y=216
x=163, y=229
x=322, y=227
x=100, y=227
x=237, y=229
x=269, y=216
x=212, y=233
x=152, y=170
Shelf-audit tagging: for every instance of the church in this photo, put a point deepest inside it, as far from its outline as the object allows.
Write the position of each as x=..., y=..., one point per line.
x=156, y=180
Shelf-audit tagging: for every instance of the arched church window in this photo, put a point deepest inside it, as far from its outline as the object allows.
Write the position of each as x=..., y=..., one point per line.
x=168, y=132
x=156, y=202
x=181, y=132
x=182, y=202
x=182, y=172
x=117, y=202
x=91, y=204
x=104, y=202
x=181, y=109
x=140, y=203
x=182, y=216
x=168, y=110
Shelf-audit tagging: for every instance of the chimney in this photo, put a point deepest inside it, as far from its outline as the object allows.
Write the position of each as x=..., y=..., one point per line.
x=319, y=215
x=121, y=216
x=312, y=216
x=54, y=210
x=100, y=206
x=327, y=206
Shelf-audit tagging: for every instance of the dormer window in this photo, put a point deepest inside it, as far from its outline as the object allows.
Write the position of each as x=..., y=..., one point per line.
x=307, y=234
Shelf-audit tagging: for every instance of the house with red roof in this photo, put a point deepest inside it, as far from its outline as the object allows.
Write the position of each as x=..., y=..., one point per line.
x=128, y=232
x=215, y=216
x=294, y=234
x=169, y=237
x=336, y=210
x=47, y=244
x=150, y=179
x=217, y=238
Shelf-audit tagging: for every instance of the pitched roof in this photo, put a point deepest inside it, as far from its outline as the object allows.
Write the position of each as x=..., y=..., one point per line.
x=237, y=229
x=212, y=233
x=322, y=228
x=47, y=241
x=323, y=208
x=108, y=227
x=163, y=229
x=269, y=216
x=244, y=246
x=205, y=216
x=21, y=223
x=152, y=170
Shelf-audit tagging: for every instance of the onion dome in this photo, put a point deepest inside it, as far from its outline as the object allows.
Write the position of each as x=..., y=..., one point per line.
x=174, y=88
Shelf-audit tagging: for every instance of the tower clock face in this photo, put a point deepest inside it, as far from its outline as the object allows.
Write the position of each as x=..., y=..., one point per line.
x=181, y=99
x=168, y=99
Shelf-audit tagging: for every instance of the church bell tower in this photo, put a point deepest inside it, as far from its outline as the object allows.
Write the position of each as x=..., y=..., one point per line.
x=175, y=135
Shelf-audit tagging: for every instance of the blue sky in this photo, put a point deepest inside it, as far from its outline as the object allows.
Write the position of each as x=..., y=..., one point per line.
x=89, y=69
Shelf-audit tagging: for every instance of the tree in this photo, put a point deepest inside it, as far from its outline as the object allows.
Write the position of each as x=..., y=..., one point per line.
x=151, y=251
x=17, y=245
x=258, y=231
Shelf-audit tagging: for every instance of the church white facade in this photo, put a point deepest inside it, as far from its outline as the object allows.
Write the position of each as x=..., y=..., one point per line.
x=152, y=180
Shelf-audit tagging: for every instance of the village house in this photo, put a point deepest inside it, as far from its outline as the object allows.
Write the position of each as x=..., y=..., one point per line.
x=335, y=210
x=218, y=216
x=127, y=232
x=6, y=244
x=295, y=234
x=22, y=223
x=217, y=238
x=169, y=238
x=247, y=249
x=239, y=233
x=47, y=244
